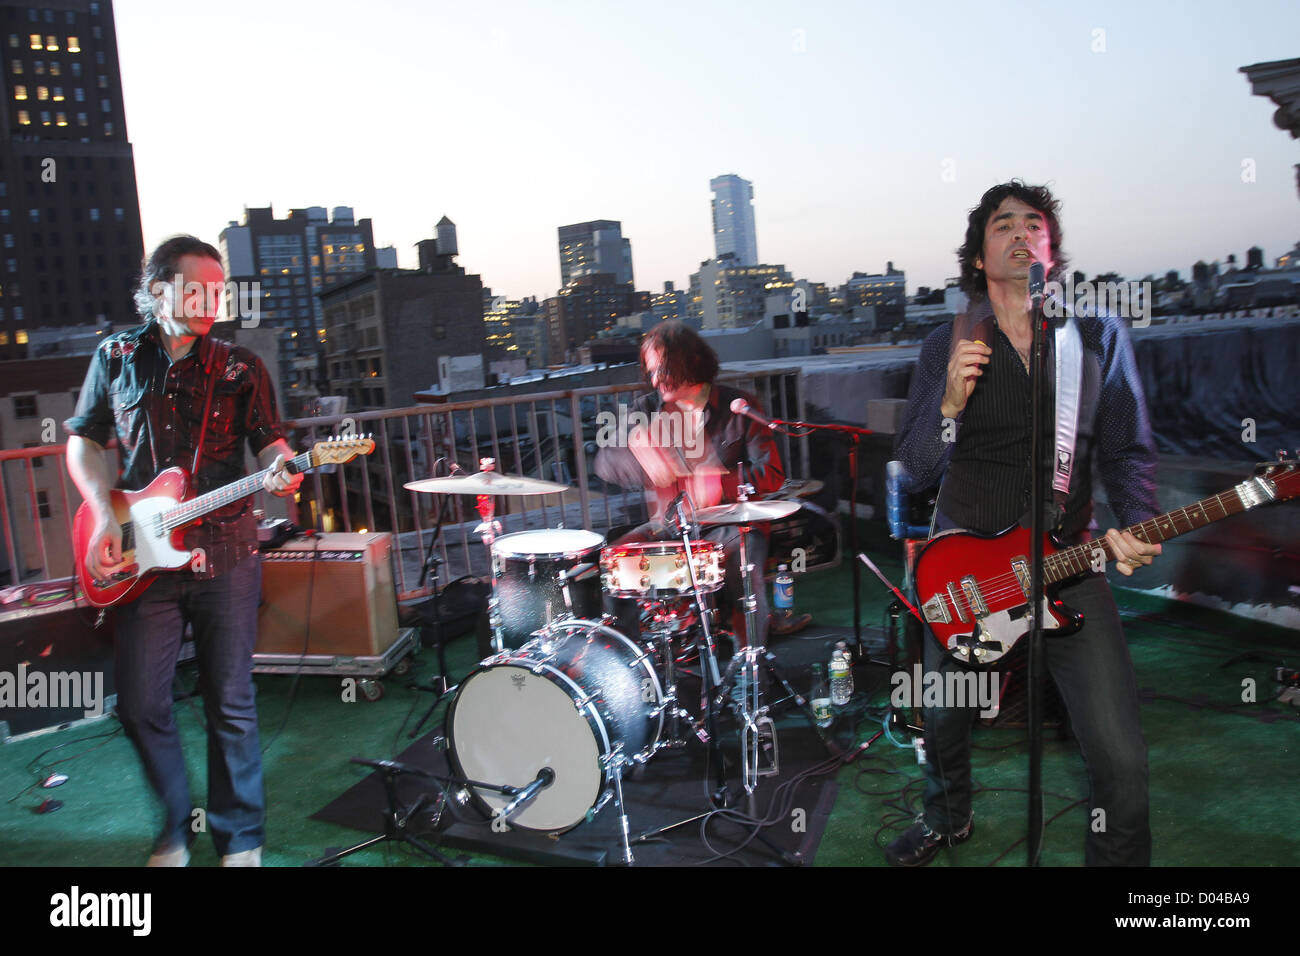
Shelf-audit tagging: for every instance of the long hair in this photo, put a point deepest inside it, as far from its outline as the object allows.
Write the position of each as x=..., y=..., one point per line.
x=161, y=267
x=687, y=358
x=973, y=281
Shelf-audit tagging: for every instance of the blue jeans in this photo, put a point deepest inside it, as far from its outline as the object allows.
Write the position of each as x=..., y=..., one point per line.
x=1094, y=674
x=223, y=614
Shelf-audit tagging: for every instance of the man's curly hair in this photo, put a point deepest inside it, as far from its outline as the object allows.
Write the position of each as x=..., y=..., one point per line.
x=687, y=359
x=973, y=281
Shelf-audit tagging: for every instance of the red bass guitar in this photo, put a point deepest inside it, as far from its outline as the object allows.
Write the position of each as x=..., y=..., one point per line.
x=153, y=520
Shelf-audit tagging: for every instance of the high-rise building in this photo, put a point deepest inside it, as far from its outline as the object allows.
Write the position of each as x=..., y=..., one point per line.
x=587, y=248
x=293, y=260
x=69, y=213
x=587, y=306
x=733, y=219
x=726, y=295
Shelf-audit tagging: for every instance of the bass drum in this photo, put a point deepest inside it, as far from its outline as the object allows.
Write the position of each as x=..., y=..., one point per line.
x=563, y=701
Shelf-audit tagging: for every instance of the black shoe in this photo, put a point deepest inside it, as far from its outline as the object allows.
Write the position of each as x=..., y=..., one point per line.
x=918, y=844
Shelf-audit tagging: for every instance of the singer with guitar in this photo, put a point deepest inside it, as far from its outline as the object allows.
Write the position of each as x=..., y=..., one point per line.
x=968, y=421
x=172, y=395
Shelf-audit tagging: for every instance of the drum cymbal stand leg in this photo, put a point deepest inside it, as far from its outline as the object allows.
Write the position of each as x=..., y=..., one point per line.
x=616, y=764
x=710, y=677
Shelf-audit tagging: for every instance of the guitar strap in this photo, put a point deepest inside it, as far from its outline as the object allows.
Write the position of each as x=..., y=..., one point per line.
x=1069, y=388
x=218, y=356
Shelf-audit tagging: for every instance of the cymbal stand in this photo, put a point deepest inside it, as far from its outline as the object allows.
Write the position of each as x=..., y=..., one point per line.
x=706, y=727
x=488, y=529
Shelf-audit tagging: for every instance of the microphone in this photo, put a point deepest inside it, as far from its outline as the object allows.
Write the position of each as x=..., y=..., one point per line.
x=1037, y=279
x=545, y=777
x=741, y=407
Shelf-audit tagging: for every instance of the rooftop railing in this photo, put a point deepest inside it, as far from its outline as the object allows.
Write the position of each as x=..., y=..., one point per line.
x=550, y=435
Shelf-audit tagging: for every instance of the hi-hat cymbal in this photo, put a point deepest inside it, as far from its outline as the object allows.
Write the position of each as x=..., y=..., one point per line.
x=486, y=483
x=748, y=512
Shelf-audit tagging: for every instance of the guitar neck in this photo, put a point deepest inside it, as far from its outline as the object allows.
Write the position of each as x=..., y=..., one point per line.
x=196, y=508
x=1079, y=558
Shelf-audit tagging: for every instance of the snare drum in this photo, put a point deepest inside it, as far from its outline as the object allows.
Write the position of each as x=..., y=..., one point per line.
x=526, y=565
x=565, y=701
x=656, y=570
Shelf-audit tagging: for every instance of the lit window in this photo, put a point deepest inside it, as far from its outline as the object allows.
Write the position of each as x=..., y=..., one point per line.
x=45, y=119
x=35, y=39
x=58, y=94
x=55, y=69
x=61, y=119
x=40, y=67
x=20, y=92
x=20, y=337
x=52, y=44
x=42, y=93
x=18, y=67
x=74, y=45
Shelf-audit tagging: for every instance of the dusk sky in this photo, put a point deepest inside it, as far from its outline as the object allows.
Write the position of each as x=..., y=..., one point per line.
x=867, y=129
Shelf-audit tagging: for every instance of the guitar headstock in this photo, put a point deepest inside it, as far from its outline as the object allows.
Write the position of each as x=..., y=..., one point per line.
x=1283, y=474
x=336, y=451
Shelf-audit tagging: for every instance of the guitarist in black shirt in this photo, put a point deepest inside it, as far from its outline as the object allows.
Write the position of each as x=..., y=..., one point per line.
x=968, y=415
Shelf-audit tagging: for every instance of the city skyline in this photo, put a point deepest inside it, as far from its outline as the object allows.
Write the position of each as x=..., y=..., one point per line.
x=868, y=132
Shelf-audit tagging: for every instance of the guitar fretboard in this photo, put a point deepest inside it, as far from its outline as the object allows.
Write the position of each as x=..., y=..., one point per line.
x=196, y=508
x=1079, y=558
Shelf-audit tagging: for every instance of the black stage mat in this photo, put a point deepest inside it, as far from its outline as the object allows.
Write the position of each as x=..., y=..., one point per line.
x=673, y=786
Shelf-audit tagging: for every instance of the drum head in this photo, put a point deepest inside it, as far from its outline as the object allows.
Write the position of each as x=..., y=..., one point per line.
x=508, y=723
x=552, y=541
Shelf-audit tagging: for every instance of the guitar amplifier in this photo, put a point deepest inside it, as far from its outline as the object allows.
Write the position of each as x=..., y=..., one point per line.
x=56, y=667
x=328, y=594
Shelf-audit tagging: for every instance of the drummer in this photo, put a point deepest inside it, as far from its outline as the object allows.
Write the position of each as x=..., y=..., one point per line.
x=695, y=443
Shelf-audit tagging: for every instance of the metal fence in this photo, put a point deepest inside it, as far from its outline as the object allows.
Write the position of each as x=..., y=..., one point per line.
x=549, y=435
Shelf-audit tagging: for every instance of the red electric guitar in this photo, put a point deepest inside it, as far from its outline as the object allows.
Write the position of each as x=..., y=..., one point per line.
x=974, y=588
x=154, y=519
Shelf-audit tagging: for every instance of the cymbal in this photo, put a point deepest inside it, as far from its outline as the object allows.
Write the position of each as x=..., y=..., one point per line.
x=747, y=512
x=801, y=488
x=486, y=483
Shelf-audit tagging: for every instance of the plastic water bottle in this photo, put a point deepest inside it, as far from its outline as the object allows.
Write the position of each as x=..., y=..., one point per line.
x=820, y=696
x=783, y=592
x=841, y=675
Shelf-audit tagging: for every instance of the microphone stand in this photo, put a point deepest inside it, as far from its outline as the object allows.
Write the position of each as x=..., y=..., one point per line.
x=854, y=435
x=1037, y=381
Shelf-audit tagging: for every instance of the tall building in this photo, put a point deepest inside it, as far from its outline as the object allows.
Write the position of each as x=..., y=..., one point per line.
x=69, y=212
x=727, y=295
x=293, y=260
x=588, y=305
x=587, y=248
x=888, y=288
x=733, y=219
x=386, y=329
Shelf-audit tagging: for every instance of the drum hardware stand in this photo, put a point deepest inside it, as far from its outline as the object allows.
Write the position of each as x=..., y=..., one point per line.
x=395, y=819
x=706, y=728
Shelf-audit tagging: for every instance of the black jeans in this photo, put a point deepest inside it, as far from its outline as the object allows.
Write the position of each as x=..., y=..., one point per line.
x=1094, y=674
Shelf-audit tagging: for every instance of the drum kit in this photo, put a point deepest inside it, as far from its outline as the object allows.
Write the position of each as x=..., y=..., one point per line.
x=568, y=704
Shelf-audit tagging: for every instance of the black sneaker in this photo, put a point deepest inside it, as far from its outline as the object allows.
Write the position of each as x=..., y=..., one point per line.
x=918, y=844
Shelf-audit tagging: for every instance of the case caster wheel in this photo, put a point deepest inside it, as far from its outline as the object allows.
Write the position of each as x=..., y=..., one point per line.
x=402, y=667
x=372, y=690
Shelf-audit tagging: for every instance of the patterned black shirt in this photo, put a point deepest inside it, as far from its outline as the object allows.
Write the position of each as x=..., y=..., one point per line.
x=986, y=449
x=153, y=407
